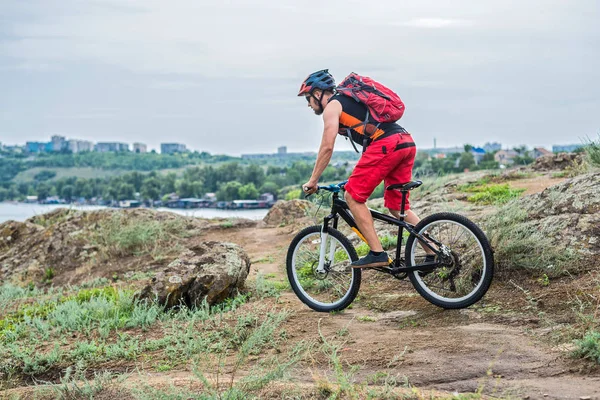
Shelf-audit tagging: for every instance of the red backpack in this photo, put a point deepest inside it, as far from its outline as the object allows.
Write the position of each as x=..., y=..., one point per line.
x=384, y=105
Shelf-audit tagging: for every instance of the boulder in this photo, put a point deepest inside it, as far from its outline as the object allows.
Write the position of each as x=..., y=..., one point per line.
x=211, y=270
x=12, y=233
x=285, y=212
x=557, y=229
x=70, y=247
x=558, y=161
x=570, y=213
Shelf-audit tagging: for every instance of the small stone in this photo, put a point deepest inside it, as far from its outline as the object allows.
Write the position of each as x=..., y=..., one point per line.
x=585, y=398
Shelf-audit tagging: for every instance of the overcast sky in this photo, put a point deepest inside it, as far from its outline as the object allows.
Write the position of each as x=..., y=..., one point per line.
x=222, y=76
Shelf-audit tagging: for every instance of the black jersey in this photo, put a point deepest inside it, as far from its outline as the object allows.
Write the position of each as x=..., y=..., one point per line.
x=353, y=124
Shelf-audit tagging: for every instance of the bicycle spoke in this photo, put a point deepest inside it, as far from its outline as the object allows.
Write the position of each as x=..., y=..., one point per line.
x=323, y=287
x=460, y=269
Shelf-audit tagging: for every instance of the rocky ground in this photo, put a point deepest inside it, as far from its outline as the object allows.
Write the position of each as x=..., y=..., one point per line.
x=515, y=343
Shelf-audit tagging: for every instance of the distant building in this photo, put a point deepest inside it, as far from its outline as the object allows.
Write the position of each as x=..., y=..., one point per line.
x=492, y=147
x=210, y=197
x=171, y=148
x=257, y=156
x=282, y=150
x=140, y=148
x=267, y=197
x=505, y=157
x=59, y=143
x=568, y=148
x=77, y=146
x=107, y=147
x=539, y=152
x=478, y=154
x=38, y=147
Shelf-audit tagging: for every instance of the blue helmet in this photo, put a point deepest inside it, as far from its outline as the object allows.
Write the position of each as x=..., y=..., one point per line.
x=317, y=80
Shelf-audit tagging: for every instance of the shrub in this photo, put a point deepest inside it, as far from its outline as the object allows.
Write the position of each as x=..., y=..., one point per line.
x=120, y=236
x=592, y=151
x=589, y=347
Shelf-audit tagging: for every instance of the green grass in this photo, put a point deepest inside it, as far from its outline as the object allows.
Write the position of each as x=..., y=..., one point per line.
x=520, y=244
x=97, y=325
x=588, y=347
x=120, y=236
x=490, y=194
x=387, y=242
x=83, y=172
x=592, y=151
x=366, y=318
x=431, y=183
x=265, y=287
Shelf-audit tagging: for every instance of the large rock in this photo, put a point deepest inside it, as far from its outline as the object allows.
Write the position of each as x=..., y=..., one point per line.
x=569, y=212
x=558, y=229
x=71, y=247
x=285, y=212
x=211, y=271
x=558, y=161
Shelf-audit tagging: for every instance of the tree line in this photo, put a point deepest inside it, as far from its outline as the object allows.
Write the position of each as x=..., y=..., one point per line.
x=229, y=181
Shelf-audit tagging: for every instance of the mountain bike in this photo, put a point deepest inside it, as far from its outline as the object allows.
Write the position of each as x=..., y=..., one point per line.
x=447, y=257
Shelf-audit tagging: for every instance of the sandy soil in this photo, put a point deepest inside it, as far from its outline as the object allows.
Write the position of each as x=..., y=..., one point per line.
x=499, y=345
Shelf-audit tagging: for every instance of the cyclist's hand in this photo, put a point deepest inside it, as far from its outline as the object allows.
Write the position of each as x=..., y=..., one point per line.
x=309, y=188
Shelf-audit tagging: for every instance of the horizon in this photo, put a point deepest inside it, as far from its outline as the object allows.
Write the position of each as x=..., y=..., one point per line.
x=422, y=148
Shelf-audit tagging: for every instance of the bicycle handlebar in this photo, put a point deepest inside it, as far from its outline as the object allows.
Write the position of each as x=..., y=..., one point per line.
x=334, y=188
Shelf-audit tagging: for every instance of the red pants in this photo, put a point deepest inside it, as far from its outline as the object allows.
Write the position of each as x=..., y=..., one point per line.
x=381, y=162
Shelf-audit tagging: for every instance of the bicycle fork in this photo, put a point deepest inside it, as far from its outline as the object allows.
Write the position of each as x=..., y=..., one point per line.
x=323, y=251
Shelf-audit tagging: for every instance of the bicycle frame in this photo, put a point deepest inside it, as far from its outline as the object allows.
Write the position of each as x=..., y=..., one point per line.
x=339, y=208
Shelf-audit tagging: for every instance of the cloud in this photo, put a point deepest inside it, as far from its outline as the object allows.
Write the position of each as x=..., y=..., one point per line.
x=88, y=115
x=436, y=23
x=175, y=85
x=31, y=67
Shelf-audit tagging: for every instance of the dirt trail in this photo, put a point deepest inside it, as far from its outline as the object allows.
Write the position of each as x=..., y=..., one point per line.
x=501, y=346
x=485, y=347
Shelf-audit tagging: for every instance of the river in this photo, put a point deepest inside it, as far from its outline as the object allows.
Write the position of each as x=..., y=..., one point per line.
x=22, y=211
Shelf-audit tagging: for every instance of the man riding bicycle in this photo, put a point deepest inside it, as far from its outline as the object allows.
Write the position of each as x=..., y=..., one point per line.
x=388, y=156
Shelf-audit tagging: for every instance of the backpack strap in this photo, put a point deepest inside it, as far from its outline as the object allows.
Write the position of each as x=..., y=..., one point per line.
x=349, y=136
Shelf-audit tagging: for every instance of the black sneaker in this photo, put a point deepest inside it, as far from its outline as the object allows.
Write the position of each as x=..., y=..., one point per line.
x=371, y=260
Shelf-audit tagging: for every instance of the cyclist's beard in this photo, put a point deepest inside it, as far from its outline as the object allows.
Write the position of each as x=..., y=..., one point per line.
x=319, y=110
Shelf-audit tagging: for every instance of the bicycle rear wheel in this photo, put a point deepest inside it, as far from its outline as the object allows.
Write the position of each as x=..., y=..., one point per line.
x=464, y=273
x=336, y=286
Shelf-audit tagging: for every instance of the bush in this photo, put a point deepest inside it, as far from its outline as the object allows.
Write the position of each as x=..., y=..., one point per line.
x=120, y=236
x=589, y=347
x=592, y=150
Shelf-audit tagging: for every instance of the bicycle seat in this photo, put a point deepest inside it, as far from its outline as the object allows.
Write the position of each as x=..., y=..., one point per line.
x=404, y=187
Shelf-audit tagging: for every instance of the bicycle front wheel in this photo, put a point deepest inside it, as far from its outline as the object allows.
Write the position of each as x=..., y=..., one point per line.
x=464, y=273
x=319, y=271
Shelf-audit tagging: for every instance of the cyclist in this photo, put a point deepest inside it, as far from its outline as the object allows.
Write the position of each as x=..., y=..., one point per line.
x=388, y=158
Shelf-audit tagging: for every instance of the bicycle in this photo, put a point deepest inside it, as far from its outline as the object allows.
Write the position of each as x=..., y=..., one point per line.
x=447, y=257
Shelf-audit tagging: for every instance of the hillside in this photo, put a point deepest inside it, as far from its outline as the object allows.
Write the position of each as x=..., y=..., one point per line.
x=71, y=327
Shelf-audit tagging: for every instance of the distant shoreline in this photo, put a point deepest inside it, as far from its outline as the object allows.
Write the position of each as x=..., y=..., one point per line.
x=20, y=212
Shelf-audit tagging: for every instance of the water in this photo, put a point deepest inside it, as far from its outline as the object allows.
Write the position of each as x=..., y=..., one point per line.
x=21, y=211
